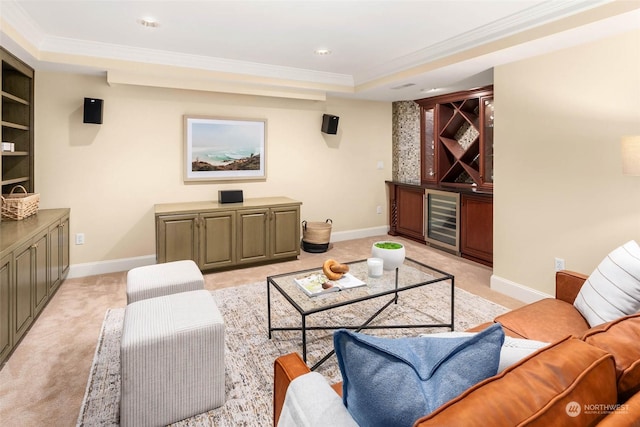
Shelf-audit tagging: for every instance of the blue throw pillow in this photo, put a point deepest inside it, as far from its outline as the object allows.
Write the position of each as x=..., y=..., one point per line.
x=395, y=381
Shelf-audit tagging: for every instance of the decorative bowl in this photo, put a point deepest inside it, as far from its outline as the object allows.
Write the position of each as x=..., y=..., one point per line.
x=392, y=254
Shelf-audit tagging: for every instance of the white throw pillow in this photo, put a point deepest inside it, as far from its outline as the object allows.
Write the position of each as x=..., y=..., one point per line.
x=515, y=349
x=311, y=402
x=613, y=289
x=512, y=351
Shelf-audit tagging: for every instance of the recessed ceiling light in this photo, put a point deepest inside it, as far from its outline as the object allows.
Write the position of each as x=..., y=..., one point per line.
x=322, y=52
x=148, y=22
x=433, y=89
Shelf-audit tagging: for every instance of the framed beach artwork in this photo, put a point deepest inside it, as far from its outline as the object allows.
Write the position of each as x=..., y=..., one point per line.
x=224, y=149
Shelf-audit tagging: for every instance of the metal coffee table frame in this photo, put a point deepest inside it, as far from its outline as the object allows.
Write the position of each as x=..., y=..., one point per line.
x=352, y=297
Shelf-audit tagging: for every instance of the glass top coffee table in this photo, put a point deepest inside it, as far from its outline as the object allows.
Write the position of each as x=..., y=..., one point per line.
x=410, y=275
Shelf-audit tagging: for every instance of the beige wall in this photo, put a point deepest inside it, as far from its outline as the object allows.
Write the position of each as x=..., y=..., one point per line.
x=559, y=188
x=559, y=191
x=111, y=175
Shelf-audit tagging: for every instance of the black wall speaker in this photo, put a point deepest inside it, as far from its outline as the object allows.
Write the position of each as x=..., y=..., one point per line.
x=330, y=124
x=230, y=196
x=93, y=110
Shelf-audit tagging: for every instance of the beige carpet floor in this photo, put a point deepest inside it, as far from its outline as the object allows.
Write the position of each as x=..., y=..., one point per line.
x=44, y=380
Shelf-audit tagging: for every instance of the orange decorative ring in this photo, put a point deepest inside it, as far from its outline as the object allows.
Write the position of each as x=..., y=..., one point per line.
x=326, y=269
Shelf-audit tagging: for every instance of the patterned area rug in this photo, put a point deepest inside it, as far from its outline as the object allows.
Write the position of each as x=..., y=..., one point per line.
x=249, y=353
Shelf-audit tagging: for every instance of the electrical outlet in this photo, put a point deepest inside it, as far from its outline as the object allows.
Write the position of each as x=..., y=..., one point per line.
x=559, y=264
x=379, y=210
x=80, y=239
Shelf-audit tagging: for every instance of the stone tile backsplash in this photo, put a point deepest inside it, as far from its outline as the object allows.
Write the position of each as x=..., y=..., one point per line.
x=406, y=141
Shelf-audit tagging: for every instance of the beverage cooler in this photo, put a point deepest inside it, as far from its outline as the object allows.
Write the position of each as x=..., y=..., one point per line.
x=442, y=219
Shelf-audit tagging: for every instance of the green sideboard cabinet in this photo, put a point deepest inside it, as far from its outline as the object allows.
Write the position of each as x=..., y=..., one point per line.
x=217, y=246
x=6, y=270
x=34, y=260
x=58, y=253
x=217, y=235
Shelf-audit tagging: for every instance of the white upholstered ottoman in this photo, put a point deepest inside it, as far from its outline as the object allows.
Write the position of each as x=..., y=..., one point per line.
x=156, y=280
x=171, y=359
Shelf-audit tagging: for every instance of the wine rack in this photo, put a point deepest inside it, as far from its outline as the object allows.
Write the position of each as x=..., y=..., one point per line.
x=460, y=142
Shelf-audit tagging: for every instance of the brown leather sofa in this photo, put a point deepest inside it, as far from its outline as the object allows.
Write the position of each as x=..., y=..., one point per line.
x=587, y=376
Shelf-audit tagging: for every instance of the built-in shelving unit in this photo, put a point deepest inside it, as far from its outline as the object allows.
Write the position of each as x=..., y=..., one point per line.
x=452, y=205
x=16, y=110
x=457, y=139
x=459, y=142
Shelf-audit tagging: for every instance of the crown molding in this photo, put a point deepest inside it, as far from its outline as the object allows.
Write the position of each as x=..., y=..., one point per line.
x=504, y=27
x=19, y=27
x=15, y=16
x=159, y=57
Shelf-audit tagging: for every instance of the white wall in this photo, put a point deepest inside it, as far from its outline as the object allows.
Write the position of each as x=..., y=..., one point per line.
x=559, y=188
x=111, y=175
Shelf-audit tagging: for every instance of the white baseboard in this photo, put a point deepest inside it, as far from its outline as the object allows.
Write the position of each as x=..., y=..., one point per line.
x=126, y=264
x=361, y=233
x=111, y=266
x=516, y=290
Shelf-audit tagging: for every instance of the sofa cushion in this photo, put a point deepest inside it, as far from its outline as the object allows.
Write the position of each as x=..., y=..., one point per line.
x=539, y=391
x=613, y=289
x=390, y=381
x=621, y=338
x=625, y=414
x=547, y=320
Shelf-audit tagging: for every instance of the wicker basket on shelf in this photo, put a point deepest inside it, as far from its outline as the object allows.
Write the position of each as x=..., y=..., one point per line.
x=18, y=206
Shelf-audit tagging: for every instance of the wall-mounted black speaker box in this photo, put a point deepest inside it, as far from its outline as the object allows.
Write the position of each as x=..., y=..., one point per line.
x=230, y=196
x=93, y=111
x=330, y=124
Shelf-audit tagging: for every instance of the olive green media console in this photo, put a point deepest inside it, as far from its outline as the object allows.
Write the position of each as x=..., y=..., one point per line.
x=225, y=235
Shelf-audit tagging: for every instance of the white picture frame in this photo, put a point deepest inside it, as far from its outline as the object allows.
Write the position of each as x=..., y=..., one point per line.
x=228, y=149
